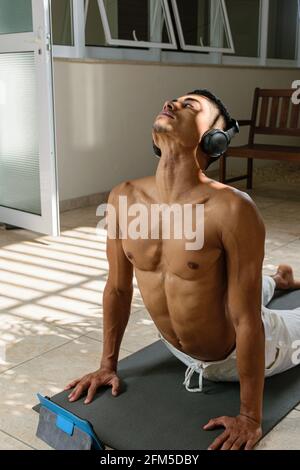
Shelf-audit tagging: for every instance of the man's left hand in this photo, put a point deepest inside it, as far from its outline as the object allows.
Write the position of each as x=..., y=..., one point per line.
x=240, y=432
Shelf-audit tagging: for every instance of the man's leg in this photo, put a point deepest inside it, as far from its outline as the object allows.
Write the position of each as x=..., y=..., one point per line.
x=282, y=327
x=268, y=289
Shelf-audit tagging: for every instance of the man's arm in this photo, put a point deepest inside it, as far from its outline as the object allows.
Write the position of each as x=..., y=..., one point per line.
x=117, y=299
x=243, y=237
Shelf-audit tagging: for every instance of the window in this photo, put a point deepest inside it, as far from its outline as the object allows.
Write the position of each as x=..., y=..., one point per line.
x=62, y=24
x=94, y=32
x=15, y=18
x=243, y=17
x=237, y=32
x=203, y=26
x=283, y=23
x=134, y=23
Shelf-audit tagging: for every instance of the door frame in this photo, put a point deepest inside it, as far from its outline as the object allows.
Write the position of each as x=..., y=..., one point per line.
x=39, y=42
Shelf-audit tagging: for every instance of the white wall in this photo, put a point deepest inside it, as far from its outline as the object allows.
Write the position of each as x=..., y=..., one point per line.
x=105, y=113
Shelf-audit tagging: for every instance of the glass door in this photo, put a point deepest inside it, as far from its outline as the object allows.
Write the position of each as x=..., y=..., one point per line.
x=28, y=177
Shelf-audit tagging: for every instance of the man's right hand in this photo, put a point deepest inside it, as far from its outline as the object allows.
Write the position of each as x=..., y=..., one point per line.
x=91, y=383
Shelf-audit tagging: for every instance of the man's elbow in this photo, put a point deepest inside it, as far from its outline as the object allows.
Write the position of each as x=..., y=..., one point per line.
x=248, y=324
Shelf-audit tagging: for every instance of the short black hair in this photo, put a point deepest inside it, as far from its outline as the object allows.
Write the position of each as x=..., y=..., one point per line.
x=219, y=104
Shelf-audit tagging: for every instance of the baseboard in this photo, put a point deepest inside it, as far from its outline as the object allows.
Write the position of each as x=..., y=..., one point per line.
x=280, y=171
x=83, y=201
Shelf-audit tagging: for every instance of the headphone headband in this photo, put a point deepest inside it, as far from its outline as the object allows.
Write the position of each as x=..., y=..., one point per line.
x=233, y=129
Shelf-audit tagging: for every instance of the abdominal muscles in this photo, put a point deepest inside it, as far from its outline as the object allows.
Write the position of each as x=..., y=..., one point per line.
x=190, y=314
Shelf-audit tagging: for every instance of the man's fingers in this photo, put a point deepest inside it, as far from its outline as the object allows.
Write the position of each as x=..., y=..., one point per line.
x=213, y=423
x=250, y=444
x=92, y=383
x=91, y=393
x=72, y=384
x=229, y=442
x=78, y=391
x=115, y=383
x=238, y=444
x=219, y=441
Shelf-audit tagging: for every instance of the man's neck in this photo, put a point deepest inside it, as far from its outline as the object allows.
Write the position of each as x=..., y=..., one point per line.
x=177, y=175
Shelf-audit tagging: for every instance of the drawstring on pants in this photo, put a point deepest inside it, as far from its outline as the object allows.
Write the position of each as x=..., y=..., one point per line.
x=188, y=375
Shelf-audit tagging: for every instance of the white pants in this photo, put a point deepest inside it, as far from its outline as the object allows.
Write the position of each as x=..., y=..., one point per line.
x=282, y=345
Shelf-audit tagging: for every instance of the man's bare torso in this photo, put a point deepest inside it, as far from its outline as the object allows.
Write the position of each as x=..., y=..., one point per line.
x=183, y=290
x=205, y=300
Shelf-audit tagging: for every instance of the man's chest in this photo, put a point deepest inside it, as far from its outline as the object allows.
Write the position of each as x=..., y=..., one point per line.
x=171, y=256
x=182, y=239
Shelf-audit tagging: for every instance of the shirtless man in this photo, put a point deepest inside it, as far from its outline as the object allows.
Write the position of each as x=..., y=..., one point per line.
x=206, y=303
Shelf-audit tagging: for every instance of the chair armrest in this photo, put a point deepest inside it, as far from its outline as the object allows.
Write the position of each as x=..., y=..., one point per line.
x=245, y=122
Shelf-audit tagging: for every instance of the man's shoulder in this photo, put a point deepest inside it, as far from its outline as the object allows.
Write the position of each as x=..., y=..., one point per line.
x=233, y=205
x=231, y=197
x=237, y=198
x=236, y=209
x=128, y=187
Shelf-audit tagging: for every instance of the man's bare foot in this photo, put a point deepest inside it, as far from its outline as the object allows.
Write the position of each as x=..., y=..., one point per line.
x=284, y=278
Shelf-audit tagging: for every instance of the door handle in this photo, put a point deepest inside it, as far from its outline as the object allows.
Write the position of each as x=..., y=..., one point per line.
x=39, y=41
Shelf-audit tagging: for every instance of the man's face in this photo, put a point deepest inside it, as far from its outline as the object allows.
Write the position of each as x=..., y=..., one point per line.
x=186, y=118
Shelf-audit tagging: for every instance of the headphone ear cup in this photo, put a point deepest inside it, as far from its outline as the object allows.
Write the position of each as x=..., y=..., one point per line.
x=215, y=143
x=205, y=142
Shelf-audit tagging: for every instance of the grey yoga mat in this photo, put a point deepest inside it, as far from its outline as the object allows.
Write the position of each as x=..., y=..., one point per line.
x=155, y=412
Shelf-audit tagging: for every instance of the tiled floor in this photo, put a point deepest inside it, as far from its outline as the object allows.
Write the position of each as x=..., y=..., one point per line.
x=50, y=307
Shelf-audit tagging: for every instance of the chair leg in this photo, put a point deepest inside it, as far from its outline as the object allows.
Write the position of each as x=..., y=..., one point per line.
x=250, y=173
x=222, y=169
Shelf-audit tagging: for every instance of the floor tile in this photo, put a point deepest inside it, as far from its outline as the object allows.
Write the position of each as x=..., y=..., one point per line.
x=22, y=340
x=140, y=331
x=9, y=443
x=285, y=436
x=47, y=374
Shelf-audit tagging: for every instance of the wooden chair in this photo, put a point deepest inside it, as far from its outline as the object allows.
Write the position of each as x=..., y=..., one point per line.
x=273, y=113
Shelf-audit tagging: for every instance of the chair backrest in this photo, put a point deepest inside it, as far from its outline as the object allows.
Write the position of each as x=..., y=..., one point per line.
x=274, y=113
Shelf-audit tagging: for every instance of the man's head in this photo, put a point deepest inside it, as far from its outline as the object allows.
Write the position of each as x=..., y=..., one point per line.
x=185, y=120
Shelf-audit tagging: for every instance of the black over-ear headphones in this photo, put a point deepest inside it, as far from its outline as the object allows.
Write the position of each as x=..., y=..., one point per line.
x=214, y=142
